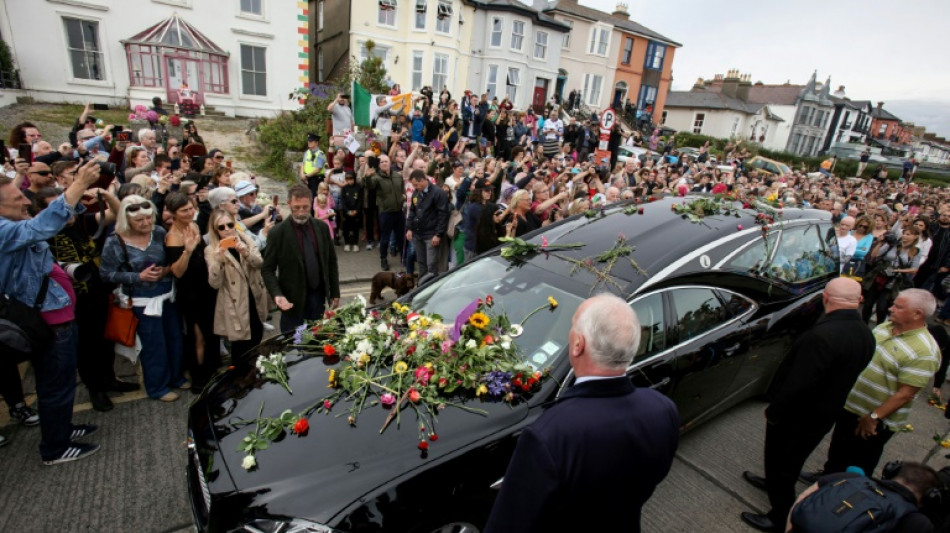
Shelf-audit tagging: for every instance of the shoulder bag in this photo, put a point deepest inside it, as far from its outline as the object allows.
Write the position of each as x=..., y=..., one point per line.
x=121, y=322
x=23, y=332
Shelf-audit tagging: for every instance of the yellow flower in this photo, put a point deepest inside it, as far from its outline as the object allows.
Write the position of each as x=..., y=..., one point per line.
x=333, y=382
x=945, y=443
x=363, y=360
x=401, y=367
x=552, y=302
x=481, y=390
x=479, y=320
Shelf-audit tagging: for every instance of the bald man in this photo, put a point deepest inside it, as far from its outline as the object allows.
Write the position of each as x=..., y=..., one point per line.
x=807, y=393
x=847, y=244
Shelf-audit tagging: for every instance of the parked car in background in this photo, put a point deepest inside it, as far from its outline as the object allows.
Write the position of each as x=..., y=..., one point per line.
x=627, y=152
x=719, y=299
x=767, y=166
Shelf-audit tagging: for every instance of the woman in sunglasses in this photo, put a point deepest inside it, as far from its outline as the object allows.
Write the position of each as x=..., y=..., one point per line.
x=134, y=259
x=234, y=269
x=184, y=250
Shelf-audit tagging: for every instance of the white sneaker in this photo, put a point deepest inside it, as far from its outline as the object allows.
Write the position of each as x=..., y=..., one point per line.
x=268, y=326
x=346, y=248
x=356, y=247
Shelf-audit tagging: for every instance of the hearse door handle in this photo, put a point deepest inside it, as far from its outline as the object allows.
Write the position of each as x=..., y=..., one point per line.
x=730, y=351
x=660, y=384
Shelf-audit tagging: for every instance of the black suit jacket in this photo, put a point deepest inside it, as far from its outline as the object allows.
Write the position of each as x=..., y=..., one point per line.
x=813, y=381
x=283, y=270
x=589, y=462
x=428, y=214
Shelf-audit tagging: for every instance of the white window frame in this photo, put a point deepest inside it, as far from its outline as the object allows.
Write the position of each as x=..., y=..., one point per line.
x=518, y=36
x=700, y=119
x=421, y=8
x=590, y=82
x=386, y=6
x=491, y=81
x=566, y=41
x=443, y=17
x=243, y=69
x=492, y=32
x=436, y=74
x=511, y=89
x=417, y=73
x=99, y=50
x=599, y=41
x=539, y=45
x=251, y=14
x=320, y=15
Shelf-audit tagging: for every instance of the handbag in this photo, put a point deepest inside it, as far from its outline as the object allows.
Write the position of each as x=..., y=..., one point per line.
x=23, y=332
x=121, y=323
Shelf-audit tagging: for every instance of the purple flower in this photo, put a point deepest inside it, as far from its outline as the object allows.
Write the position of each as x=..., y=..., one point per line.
x=298, y=334
x=498, y=382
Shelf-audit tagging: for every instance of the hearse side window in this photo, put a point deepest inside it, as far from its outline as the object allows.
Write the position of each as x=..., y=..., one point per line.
x=697, y=311
x=735, y=304
x=753, y=257
x=801, y=255
x=649, y=311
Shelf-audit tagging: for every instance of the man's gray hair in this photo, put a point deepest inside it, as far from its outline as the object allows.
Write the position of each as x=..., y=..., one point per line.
x=146, y=132
x=219, y=195
x=611, y=331
x=920, y=300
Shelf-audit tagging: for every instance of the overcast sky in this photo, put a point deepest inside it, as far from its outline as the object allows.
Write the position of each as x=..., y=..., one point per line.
x=895, y=52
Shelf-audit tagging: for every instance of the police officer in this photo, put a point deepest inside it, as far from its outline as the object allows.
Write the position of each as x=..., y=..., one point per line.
x=314, y=164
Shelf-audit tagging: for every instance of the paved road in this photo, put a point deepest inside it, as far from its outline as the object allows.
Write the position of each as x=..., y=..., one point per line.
x=136, y=483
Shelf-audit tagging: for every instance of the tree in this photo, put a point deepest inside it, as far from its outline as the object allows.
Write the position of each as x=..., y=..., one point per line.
x=371, y=73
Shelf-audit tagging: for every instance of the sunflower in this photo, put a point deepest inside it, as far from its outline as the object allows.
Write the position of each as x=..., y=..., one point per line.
x=479, y=320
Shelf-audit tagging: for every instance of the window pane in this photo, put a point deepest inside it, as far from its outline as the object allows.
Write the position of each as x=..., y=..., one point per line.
x=697, y=311
x=260, y=84
x=246, y=57
x=649, y=312
x=259, y=63
x=78, y=59
x=73, y=33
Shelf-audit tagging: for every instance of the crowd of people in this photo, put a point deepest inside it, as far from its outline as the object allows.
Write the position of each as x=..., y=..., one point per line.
x=166, y=228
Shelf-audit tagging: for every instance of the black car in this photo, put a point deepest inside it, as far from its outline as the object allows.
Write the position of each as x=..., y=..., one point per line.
x=720, y=295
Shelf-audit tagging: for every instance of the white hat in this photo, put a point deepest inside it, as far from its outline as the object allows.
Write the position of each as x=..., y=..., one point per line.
x=244, y=188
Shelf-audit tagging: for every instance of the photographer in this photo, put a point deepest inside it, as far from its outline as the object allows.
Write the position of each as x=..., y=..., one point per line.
x=28, y=269
x=894, y=265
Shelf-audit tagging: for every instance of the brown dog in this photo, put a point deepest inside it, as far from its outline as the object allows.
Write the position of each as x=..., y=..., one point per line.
x=397, y=281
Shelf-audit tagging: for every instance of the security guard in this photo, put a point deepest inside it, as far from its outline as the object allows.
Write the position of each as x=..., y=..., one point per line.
x=314, y=164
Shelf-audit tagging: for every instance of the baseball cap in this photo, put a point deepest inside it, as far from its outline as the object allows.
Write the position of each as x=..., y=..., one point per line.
x=244, y=188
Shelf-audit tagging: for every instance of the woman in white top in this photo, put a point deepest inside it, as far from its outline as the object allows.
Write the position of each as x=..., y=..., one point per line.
x=925, y=242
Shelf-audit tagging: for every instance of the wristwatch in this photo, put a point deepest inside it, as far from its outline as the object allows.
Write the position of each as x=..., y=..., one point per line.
x=873, y=416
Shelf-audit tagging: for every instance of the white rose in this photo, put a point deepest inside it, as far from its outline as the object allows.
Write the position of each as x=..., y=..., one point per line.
x=382, y=329
x=471, y=344
x=506, y=345
x=249, y=463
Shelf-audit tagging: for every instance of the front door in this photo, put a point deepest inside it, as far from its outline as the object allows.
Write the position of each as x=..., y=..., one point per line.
x=182, y=70
x=540, y=95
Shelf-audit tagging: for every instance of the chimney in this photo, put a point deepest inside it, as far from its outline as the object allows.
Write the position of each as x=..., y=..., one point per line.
x=742, y=91
x=621, y=12
x=700, y=85
x=840, y=92
x=731, y=83
x=880, y=106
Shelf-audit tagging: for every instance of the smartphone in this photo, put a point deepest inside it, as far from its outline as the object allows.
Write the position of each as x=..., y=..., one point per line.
x=26, y=152
x=275, y=212
x=228, y=242
x=123, y=136
x=3, y=153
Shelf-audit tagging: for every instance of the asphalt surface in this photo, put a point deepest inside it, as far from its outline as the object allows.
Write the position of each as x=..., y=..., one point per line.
x=137, y=480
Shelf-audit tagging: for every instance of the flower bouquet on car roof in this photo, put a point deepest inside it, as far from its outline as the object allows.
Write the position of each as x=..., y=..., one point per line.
x=405, y=361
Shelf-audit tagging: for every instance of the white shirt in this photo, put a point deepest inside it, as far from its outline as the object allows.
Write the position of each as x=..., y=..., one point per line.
x=846, y=248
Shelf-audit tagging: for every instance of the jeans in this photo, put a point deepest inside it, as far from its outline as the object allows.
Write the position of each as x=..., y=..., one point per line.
x=55, y=370
x=11, y=388
x=162, y=348
x=427, y=255
x=312, y=309
x=391, y=226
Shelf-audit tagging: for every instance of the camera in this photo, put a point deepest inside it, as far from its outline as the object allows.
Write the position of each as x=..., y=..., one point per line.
x=372, y=162
x=78, y=272
x=106, y=170
x=890, y=239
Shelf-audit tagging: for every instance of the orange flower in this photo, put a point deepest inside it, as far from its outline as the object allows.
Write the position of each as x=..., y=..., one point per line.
x=414, y=396
x=328, y=349
x=301, y=427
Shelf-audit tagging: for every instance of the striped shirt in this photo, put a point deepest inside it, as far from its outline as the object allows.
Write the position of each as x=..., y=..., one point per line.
x=910, y=358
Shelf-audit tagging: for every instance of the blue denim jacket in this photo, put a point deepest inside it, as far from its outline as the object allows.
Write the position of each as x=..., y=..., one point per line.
x=27, y=257
x=112, y=268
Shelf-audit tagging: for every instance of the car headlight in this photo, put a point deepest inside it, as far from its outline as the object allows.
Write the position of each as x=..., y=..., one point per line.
x=294, y=525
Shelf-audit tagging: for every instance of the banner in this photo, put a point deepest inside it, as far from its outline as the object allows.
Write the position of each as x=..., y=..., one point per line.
x=369, y=108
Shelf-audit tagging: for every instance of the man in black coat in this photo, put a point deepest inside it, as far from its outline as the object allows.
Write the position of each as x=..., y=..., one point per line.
x=300, y=268
x=808, y=392
x=428, y=220
x=602, y=449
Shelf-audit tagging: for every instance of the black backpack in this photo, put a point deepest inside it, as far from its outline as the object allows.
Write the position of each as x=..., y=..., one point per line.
x=852, y=505
x=23, y=331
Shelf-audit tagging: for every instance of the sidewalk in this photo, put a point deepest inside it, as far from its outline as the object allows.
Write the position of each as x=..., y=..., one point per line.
x=361, y=266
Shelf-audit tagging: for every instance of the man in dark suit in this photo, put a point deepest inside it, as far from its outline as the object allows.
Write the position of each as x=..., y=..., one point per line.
x=300, y=268
x=428, y=220
x=807, y=394
x=602, y=449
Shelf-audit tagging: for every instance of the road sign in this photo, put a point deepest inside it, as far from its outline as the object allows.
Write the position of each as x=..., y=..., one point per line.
x=607, y=119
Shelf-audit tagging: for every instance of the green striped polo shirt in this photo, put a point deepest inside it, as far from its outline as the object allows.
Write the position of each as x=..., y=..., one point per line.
x=910, y=358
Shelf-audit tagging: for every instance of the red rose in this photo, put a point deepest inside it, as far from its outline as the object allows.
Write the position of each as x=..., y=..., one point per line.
x=433, y=437
x=640, y=211
x=517, y=381
x=411, y=350
x=301, y=427
x=489, y=300
x=488, y=339
x=423, y=445
x=328, y=349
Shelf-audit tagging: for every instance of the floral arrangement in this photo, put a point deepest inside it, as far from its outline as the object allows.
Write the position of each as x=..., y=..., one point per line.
x=696, y=210
x=176, y=121
x=402, y=360
x=518, y=249
x=163, y=119
x=140, y=112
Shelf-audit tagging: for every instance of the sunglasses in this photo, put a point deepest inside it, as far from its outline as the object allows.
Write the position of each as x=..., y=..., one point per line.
x=134, y=208
x=41, y=172
x=222, y=227
x=219, y=157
